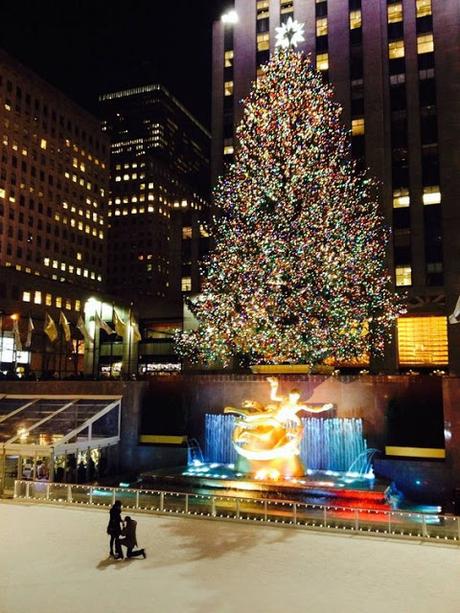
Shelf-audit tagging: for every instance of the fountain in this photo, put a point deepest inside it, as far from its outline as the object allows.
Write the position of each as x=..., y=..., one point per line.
x=329, y=444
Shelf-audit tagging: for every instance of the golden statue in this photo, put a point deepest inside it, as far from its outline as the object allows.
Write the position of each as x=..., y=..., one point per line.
x=267, y=439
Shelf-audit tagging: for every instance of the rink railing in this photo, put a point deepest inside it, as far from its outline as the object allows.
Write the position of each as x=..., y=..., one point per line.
x=386, y=523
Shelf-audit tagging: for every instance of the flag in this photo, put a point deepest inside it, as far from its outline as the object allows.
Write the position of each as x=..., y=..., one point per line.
x=65, y=326
x=84, y=330
x=17, y=336
x=30, y=329
x=50, y=328
x=454, y=318
x=120, y=326
x=101, y=324
x=136, y=334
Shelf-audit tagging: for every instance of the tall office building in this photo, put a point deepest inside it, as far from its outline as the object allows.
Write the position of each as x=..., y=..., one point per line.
x=395, y=68
x=54, y=180
x=159, y=188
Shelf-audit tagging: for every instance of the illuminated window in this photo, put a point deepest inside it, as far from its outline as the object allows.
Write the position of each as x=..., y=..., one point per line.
x=186, y=232
x=48, y=299
x=395, y=12
x=403, y=276
x=2, y=193
x=425, y=43
x=401, y=198
x=355, y=20
x=228, y=150
x=37, y=297
x=287, y=6
x=228, y=58
x=423, y=8
x=43, y=143
x=422, y=341
x=263, y=41
x=26, y=296
x=77, y=305
x=228, y=88
x=357, y=127
x=321, y=27
x=186, y=284
x=396, y=49
x=431, y=195
x=68, y=304
x=263, y=7
x=322, y=61
x=58, y=302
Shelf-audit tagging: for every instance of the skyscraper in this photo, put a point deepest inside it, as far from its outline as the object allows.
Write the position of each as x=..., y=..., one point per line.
x=159, y=182
x=395, y=69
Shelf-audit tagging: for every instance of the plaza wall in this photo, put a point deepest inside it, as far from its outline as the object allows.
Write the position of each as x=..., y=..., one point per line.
x=176, y=405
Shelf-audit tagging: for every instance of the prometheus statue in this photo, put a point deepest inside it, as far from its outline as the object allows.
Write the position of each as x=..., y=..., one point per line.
x=267, y=439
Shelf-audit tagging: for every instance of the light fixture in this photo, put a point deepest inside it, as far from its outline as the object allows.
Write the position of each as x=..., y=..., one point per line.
x=230, y=18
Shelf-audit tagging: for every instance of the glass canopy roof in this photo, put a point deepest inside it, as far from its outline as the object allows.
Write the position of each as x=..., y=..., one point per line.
x=58, y=424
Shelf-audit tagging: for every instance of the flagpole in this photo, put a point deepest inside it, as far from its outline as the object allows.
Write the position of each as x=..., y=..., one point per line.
x=60, y=350
x=130, y=334
x=111, y=343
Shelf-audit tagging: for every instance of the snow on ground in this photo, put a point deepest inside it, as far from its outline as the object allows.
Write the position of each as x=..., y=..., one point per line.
x=55, y=560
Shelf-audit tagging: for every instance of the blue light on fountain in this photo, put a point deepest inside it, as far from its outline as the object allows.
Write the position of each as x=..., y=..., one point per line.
x=336, y=444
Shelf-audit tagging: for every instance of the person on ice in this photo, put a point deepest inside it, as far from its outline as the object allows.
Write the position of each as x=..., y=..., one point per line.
x=114, y=530
x=129, y=539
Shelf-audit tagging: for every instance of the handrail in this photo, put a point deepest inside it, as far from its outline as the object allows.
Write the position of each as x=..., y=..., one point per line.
x=381, y=522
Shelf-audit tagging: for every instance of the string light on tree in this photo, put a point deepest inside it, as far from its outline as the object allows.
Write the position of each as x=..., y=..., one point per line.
x=298, y=271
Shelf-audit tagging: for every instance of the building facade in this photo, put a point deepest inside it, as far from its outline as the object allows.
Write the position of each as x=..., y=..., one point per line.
x=395, y=68
x=54, y=182
x=158, y=193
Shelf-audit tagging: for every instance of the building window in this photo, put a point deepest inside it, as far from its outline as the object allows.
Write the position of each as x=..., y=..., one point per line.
x=186, y=284
x=322, y=62
x=425, y=43
x=263, y=8
x=228, y=150
x=263, y=42
x=357, y=126
x=396, y=49
x=26, y=296
x=422, y=341
x=58, y=302
x=287, y=6
x=228, y=88
x=395, y=12
x=37, y=297
x=228, y=58
x=43, y=143
x=401, y=198
x=431, y=195
x=186, y=232
x=48, y=299
x=423, y=8
x=355, y=20
x=321, y=27
x=403, y=276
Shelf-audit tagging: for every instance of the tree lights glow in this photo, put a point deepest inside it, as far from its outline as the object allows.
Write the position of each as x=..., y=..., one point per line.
x=298, y=271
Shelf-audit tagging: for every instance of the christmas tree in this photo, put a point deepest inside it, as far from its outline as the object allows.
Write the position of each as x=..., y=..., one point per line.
x=298, y=273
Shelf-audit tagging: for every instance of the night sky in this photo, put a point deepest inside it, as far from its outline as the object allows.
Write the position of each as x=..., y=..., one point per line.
x=86, y=47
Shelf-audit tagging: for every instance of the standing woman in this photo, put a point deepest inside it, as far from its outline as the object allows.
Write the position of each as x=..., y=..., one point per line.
x=114, y=530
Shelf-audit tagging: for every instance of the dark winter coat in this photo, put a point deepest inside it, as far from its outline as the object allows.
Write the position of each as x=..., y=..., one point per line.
x=114, y=527
x=129, y=533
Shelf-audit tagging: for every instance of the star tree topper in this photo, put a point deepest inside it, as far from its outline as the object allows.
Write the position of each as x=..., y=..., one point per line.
x=290, y=34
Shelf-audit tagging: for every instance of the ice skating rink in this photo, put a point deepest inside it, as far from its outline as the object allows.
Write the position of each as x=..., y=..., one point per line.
x=55, y=560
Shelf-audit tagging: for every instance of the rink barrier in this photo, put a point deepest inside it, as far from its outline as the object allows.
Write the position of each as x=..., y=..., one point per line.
x=431, y=527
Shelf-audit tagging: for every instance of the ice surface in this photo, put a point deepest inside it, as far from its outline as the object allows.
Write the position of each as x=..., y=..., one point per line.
x=55, y=560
